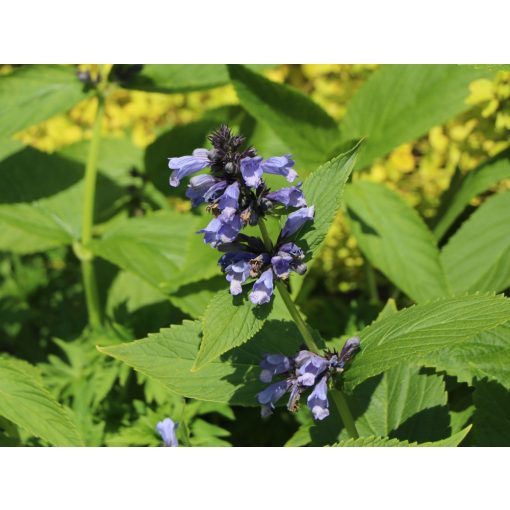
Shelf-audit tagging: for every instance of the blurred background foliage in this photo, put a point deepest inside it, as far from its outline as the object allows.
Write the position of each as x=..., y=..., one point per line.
x=42, y=312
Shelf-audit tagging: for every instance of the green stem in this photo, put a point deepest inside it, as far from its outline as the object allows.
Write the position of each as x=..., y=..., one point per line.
x=338, y=396
x=89, y=277
x=345, y=412
x=284, y=293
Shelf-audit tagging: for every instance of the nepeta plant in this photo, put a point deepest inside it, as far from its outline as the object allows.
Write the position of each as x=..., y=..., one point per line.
x=237, y=196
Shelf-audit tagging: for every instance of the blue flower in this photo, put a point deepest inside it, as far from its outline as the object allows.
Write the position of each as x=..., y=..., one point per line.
x=274, y=364
x=309, y=367
x=229, y=201
x=251, y=171
x=268, y=397
x=201, y=187
x=237, y=266
x=222, y=230
x=296, y=220
x=348, y=350
x=290, y=197
x=318, y=400
x=280, y=165
x=187, y=165
x=166, y=429
x=262, y=288
x=288, y=258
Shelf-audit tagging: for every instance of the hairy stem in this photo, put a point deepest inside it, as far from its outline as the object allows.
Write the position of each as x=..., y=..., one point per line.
x=345, y=412
x=89, y=277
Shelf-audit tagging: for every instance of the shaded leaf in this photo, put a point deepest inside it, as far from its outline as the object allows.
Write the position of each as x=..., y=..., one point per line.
x=477, y=256
x=396, y=240
x=25, y=401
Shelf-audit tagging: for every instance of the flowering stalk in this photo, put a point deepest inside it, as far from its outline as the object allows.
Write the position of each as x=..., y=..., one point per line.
x=87, y=262
x=338, y=396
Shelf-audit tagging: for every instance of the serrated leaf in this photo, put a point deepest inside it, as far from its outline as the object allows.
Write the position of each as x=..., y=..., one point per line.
x=168, y=356
x=34, y=93
x=469, y=186
x=305, y=127
x=492, y=416
x=485, y=356
x=413, y=333
x=399, y=103
x=231, y=321
x=374, y=441
x=25, y=401
x=161, y=248
x=396, y=240
x=324, y=190
x=477, y=256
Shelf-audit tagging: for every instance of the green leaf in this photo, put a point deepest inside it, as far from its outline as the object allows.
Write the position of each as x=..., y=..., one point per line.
x=485, y=356
x=492, y=416
x=396, y=240
x=171, y=78
x=402, y=403
x=413, y=333
x=34, y=93
x=477, y=256
x=161, y=248
x=399, y=103
x=41, y=200
x=168, y=357
x=309, y=131
x=25, y=401
x=229, y=321
x=373, y=441
x=468, y=187
x=324, y=189
x=193, y=298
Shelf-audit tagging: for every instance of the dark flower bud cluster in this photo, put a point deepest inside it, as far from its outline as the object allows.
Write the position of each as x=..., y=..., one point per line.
x=235, y=193
x=304, y=371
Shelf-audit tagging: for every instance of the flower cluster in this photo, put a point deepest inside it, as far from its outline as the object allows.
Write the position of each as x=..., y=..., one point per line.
x=236, y=194
x=302, y=372
x=166, y=429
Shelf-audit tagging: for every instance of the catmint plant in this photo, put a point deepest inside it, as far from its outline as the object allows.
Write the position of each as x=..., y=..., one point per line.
x=237, y=196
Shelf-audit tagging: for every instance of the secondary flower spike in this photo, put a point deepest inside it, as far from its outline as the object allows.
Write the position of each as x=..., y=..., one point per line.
x=302, y=372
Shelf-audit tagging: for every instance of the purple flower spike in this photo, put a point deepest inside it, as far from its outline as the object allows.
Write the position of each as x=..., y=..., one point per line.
x=280, y=165
x=229, y=201
x=290, y=197
x=187, y=165
x=296, y=220
x=318, y=400
x=262, y=288
x=274, y=364
x=251, y=171
x=271, y=395
x=198, y=187
x=310, y=367
x=166, y=429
